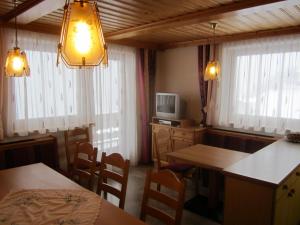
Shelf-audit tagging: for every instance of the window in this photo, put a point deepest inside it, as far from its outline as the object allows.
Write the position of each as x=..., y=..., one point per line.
x=107, y=86
x=48, y=92
x=260, y=85
x=57, y=98
x=273, y=83
x=115, y=103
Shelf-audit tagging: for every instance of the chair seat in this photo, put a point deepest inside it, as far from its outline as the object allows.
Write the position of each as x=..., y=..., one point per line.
x=178, y=167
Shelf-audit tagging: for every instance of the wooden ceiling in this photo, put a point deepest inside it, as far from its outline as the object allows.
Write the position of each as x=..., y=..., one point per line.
x=168, y=23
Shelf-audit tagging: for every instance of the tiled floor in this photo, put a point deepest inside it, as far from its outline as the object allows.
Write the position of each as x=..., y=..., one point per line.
x=135, y=191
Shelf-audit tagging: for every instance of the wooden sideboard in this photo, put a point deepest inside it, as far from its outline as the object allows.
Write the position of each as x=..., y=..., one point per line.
x=179, y=137
x=264, y=188
x=19, y=151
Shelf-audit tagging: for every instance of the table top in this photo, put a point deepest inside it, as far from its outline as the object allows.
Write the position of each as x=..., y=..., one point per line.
x=270, y=165
x=39, y=176
x=209, y=157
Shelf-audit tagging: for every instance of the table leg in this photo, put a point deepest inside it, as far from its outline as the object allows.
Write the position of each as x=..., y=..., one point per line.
x=213, y=195
x=196, y=179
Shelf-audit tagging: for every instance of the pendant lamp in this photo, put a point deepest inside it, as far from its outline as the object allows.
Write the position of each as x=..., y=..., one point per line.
x=82, y=42
x=213, y=69
x=16, y=64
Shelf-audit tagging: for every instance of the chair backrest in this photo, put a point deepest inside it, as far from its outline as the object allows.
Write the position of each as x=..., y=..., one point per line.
x=169, y=180
x=162, y=145
x=71, y=138
x=84, y=162
x=108, y=171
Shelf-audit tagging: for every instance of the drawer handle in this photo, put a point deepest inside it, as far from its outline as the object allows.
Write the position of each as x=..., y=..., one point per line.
x=291, y=193
x=298, y=174
x=285, y=187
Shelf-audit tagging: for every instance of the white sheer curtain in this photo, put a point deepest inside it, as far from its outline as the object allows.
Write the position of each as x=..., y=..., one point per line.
x=115, y=104
x=52, y=98
x=260, y=86
x=57, y=98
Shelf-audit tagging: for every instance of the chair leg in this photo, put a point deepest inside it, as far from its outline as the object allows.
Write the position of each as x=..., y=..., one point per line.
x=70, y=172
x=158, y=187
x=91, y=182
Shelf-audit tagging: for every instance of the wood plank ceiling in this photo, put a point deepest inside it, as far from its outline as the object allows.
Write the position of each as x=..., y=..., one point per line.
x=174, y=23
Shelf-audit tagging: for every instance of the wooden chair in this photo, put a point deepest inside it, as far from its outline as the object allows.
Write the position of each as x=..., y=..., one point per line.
x=84, y=163
x=107, y=172
x=162, y=146
x=168, y=179
x=71, y=138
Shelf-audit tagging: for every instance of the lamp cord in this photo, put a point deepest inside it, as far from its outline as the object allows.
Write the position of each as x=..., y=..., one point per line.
x=214, y=39
x=16, y=28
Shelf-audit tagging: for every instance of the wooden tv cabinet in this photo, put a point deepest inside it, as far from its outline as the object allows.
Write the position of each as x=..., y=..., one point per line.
x=179, y=137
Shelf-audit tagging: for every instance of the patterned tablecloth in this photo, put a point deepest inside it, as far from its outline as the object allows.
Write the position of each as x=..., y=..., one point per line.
x=45, y=207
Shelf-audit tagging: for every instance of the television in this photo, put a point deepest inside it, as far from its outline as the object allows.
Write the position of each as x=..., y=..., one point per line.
x=168, y=105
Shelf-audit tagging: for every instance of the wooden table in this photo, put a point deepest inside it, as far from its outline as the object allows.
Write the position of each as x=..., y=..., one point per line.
x=39, y=176
x=208, y=157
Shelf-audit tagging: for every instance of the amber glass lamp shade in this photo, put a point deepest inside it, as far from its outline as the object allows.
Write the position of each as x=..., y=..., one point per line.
x=82, y=41
x=212, y=71
x=104, y=62
x=16, y=64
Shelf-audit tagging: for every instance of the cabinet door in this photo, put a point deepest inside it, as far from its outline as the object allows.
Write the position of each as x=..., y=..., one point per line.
x=294, y=205
x=281, y=211
x=165, y=146
x=288, y=206
x=297, y=198
x=179, y=143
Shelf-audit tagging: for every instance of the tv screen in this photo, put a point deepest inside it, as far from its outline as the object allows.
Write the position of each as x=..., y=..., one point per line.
x=166, y=103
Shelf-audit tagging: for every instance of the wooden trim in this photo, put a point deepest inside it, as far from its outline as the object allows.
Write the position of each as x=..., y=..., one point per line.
x=235, y=37
x=19, y=9
x=55, y=30
x=133, y=43
x=250, y=179
x=40, y=10
x=200, y=16
x=36, y=27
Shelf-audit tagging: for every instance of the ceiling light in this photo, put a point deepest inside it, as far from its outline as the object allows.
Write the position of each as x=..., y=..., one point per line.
x=81, y=41
x=16, y=64
x=213, y=67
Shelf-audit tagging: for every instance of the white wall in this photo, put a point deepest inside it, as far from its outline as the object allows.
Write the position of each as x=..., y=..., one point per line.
x=177, y=72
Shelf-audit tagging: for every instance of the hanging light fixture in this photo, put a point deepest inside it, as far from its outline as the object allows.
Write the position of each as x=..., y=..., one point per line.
x=213, y=68
x=81, y=40
x=16, y=64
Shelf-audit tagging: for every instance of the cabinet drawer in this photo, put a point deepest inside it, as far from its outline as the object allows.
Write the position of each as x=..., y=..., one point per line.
x=189, y=141
x=179, y=143
x=183, y=134
x=288, y=184
x=156, y=128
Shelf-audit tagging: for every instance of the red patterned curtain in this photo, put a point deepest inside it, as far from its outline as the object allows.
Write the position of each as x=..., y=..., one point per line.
x=3, y=84
x=146, y=67
x=203, y=58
